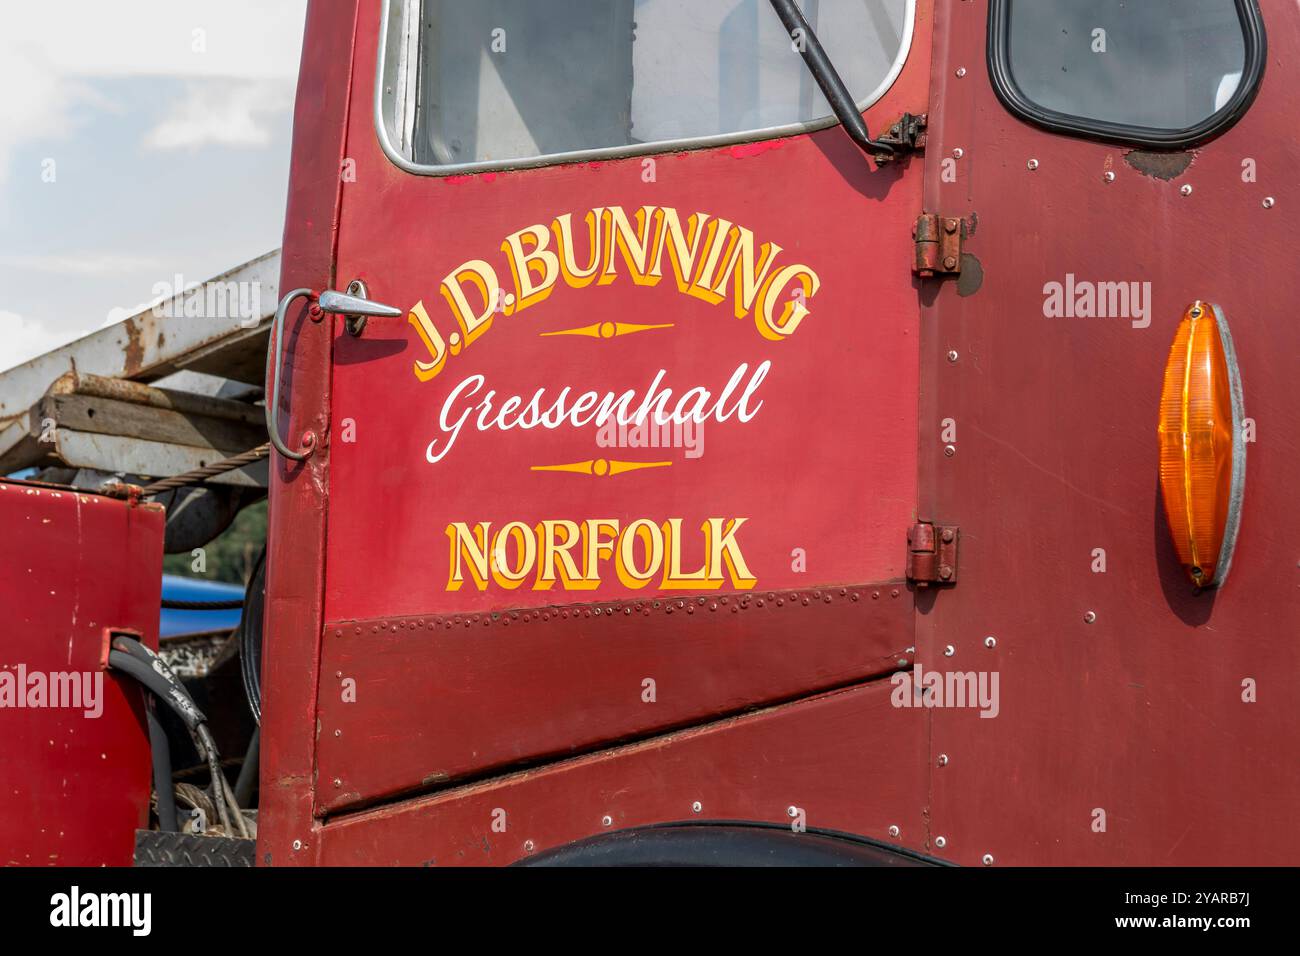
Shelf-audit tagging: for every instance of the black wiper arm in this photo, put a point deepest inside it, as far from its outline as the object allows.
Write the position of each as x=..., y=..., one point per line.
x=833, y=88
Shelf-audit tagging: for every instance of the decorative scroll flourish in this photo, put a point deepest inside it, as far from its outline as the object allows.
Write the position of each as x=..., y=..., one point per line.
x=607, y=330
x=601, y=468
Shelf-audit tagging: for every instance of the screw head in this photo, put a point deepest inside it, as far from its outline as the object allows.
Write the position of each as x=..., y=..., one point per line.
x=961, y=71
x=1032, y=165
x=894, y=831
x=297, y=844
x=958, y=153
x=528, y=846
x=988, y=859
x=1186, y=190
x=949, y=651
x=1269, y=202
x=696, y=807
x=949, y=450
x=952, y=355
x=1089, y=617
x=338, y=782
x=940, y=842
x=943, y=760
x=990, y=641
x=606, y=820
x=792, y=811
x=1108, y=176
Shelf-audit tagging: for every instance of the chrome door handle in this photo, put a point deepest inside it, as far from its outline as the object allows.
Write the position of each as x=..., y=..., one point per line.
x=333, y=303
x=354, y=305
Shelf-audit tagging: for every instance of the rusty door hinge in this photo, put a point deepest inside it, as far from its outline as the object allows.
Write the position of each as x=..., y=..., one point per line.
x=938, y=244
x=932, y=554
x=906, y=136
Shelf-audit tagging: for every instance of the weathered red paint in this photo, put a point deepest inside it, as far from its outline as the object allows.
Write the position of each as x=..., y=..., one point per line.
x=297, y=514
x=847, y=502
x=1140, y=713
x=1135, y=710
x=708, y=656
x=812, y=755
x=75, y=787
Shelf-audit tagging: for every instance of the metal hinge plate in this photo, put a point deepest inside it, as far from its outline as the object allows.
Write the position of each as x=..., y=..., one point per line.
x=907, y=136
x=938, y=244
x=932, y=554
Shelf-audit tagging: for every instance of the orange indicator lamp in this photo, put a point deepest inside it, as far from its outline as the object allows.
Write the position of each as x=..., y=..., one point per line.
x=1202, y=454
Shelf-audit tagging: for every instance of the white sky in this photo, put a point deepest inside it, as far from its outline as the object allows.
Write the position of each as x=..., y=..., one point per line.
x=167, y=123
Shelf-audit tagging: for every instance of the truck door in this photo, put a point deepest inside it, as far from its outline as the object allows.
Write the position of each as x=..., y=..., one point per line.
x=639, y=450
x=1122, y=161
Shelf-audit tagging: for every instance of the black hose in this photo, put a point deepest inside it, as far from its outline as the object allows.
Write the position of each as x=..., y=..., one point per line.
x=134, y=659
x=162, y=770
x=248, y=772
x=250, y=637
x=169, y=693
x=228, y=605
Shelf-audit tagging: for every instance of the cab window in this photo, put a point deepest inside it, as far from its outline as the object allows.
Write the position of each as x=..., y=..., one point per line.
x=1163, y=72
x=517, y=82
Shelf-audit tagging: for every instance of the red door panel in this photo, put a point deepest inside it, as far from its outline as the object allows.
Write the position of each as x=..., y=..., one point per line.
x=812, y=755
x=1123, y=735
x=457, y=637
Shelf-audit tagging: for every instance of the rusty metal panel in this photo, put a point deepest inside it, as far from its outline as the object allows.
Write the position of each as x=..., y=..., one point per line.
x=75, y=783
x=1139, y=722
x=116, y=425
x=151, y=344
x=847, y=761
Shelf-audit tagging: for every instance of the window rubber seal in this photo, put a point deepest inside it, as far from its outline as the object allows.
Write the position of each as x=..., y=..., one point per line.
x=1015, y=100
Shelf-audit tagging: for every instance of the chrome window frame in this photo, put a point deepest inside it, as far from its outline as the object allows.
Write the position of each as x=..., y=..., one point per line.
x=387, y=98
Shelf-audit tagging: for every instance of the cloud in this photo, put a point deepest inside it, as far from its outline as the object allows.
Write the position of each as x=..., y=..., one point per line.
x=163, y=90
x=249, y=39
x=33, y=111
x=51, y=55
x=222, y=113
x=23, y=338
x=85, y=265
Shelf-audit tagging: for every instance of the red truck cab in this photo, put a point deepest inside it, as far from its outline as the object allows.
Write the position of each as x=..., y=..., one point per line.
x=691, y=465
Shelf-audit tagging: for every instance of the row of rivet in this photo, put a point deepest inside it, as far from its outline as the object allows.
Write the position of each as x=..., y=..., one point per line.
x=737, y=603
